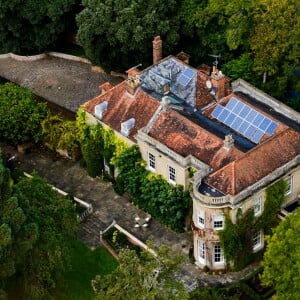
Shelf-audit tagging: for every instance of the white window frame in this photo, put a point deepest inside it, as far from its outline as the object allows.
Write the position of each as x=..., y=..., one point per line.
x=257, y=241
x=172, y=174
x=218, y=254
x=216, y=221
x=201, y=251
x=201, y=218
x=151, y=161
x=257, y=206
x=289, y=182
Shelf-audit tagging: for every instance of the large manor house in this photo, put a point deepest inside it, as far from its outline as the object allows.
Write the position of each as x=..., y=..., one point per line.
x=226, y=142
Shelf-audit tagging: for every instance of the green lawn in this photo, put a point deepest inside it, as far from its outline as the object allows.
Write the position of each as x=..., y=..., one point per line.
x=86, y=264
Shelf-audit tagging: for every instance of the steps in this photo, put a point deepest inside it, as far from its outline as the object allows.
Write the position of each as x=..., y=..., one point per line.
x=89, y=230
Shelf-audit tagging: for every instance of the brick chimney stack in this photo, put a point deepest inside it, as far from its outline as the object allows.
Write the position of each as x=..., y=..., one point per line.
x=157, y=49
x=218, y=81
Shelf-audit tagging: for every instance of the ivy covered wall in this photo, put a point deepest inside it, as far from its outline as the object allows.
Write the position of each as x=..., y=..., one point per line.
x=151, y=192
x=236, y=238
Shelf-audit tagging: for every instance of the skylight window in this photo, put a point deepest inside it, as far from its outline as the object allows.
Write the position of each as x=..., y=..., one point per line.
x=186, y=76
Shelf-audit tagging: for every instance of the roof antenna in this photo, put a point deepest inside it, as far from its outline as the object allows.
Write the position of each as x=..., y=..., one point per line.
x=216, y=57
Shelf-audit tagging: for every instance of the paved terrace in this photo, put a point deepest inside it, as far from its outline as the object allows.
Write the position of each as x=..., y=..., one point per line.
x=65, y=82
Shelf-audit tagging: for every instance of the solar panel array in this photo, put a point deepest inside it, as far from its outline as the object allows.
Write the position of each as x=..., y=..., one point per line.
x=244, y=119
x=186, y=76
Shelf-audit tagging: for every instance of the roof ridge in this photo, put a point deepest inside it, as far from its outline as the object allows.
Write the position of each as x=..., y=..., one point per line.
x=233, y=178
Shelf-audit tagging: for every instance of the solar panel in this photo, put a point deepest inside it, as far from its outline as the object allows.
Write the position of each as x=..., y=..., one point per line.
x=251, y=116
x=244, y=112
x=183, y=80
x=258, y=120
x=236, y=123
x=257, y=136
x=230, y=118
x=272, y=128
x=244, y=119
x=186, y=76
x=189, y=73
x=239, y=106
x=218, y=109
x=223, y=115
x=264, y=124
x=243, y=127
x=231, y=104
x=250, y=131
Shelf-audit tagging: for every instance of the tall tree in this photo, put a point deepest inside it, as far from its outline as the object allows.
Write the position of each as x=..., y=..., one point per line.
x=225, y=21
x=35, y=227
x=18, y=234
x=20, y=115
x=275, y=43
x=282, y=259
x=117, y=34
x=142, y=277
x=29, y=26
x=56, y=221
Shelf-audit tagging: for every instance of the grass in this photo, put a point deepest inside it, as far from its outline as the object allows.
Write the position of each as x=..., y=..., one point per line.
x=86, y=264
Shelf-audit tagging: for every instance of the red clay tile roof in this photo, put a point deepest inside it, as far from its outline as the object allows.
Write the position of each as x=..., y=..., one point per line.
x=123, y=106
x=257, y=163
x=184, y=137
x=105, y=86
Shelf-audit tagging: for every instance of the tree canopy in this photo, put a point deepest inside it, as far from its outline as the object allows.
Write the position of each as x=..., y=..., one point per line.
x=35, y=227
x=118, y=34
x=282, y=259
x=267, y=31
x=21, y=115
x=28, y=26
x=142, y=277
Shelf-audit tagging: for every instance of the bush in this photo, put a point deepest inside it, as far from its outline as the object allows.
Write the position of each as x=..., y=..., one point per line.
x=21, y=115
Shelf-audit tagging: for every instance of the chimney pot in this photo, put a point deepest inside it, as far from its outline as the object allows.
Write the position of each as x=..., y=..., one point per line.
x=132, y=84
x=228, y=142
x=157, y=49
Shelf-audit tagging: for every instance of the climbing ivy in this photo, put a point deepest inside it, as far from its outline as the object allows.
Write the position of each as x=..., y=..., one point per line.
x=98, y=143
x=151, y=192
x=275, y=196
x=59, y=133
x=92, y=150
x=236, y=239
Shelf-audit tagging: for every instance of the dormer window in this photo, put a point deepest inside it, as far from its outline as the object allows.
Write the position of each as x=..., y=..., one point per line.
x=100, y=109
x=127, y=126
